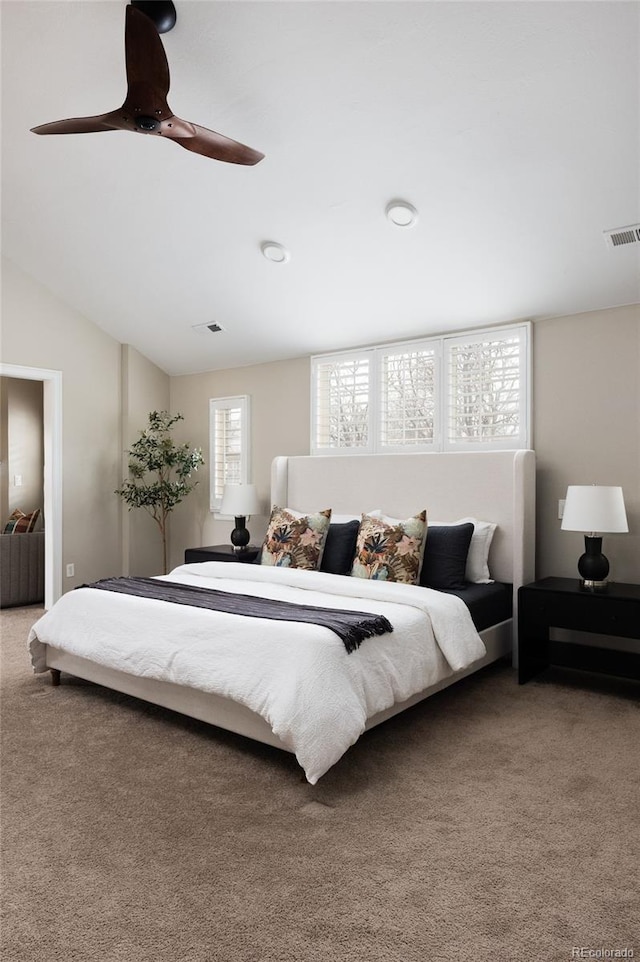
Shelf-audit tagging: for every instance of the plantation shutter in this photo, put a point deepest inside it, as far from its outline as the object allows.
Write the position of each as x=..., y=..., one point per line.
x=452, y=392
x=341, y=403
x=486, y=388
x=228, y=428
x=408, y=385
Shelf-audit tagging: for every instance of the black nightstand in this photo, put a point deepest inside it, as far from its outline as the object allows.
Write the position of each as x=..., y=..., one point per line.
x=563, y=603
x=221, y=552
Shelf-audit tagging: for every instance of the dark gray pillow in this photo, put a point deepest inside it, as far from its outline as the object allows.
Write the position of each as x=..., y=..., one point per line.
x=340, y=548
x=445, y=556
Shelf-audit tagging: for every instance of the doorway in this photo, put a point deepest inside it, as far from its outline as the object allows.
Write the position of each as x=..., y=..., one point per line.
x=52, y=505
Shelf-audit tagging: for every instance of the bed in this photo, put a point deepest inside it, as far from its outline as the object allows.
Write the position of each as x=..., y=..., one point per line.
x=295, y=686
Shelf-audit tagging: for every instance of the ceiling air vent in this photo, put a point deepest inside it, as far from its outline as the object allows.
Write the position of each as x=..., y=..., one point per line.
x=621, y=236
x=211, y=327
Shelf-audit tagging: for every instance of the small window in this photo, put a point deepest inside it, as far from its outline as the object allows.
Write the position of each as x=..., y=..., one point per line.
x=408, y=385
x=341, y=410
x=486, y=395
x=228, y=445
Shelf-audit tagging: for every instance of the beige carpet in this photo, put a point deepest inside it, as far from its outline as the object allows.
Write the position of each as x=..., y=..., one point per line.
x=493, y=822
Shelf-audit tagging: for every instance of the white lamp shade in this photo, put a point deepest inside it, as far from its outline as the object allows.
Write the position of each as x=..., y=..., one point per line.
x=239, y=500
x=595, y=508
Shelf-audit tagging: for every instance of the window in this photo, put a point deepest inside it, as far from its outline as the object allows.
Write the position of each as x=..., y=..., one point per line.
x=228, y=445
x=342, y=411
x=451, y=393
x=407, y=398
x=486, y=400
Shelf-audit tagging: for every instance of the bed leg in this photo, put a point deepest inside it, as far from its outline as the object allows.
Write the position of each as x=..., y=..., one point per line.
x=55, y=677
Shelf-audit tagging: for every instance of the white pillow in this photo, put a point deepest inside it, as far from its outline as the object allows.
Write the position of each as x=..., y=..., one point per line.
x=477, y=570
x=377, y=513
x=344, y=518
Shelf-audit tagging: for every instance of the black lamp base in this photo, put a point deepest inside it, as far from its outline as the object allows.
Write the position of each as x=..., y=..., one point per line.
x=593, y=566
x=240, y=535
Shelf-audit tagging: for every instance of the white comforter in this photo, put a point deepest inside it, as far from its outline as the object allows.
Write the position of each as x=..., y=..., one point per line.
x=298, y=677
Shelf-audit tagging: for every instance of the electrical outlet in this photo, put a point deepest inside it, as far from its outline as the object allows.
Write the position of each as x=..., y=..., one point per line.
x=560, y=509
x=71, y=570
x=17, y=480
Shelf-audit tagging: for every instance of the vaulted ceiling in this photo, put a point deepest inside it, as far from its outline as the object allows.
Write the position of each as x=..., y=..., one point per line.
x=512, y=128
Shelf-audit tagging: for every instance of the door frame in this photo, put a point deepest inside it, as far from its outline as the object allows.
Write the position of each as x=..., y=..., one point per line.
x=52, y=420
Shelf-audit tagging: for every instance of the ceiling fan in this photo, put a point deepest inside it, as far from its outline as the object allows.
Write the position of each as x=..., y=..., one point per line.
x=145, y=109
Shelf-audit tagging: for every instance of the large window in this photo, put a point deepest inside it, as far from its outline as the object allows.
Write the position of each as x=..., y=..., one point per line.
x=451, y=393
x=228, y=445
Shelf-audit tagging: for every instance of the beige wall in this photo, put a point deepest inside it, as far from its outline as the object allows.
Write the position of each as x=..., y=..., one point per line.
x=145, y=388
x=279, y=394
x=21, y=447
x=40, y=331
x=586, y=429
x=4, y=452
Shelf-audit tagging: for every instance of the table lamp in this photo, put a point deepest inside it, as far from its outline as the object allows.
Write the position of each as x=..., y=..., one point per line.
x=239, y=500
x=594, y=508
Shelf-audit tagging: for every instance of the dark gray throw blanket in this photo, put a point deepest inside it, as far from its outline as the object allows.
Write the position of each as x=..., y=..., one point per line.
x=351, y=626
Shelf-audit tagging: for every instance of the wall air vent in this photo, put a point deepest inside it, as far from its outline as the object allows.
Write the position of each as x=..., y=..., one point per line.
x=621, y=236
x=211, y=328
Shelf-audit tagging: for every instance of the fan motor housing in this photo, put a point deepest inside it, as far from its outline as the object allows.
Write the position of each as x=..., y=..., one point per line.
x=162, y=12
x=147, y=124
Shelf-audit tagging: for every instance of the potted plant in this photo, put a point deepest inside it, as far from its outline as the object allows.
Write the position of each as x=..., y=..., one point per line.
x=159, y=472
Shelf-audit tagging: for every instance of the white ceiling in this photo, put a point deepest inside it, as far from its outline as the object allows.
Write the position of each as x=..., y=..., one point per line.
x=513, y=128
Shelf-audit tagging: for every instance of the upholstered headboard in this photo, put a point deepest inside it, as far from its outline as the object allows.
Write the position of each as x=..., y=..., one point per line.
x=494, y=486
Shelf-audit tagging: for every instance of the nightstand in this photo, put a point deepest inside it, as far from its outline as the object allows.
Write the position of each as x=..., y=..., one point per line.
x=563, y=603
x=221, y=552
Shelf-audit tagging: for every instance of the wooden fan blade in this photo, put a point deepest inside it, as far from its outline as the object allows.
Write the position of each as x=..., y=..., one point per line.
x=210, y=144
x=78, y=125
x=146, y=61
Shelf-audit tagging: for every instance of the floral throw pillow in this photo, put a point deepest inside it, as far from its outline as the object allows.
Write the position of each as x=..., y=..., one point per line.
x=294, y=540
x=390, y=552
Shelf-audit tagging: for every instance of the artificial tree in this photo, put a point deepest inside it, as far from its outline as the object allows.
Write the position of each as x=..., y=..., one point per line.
x=160, y=472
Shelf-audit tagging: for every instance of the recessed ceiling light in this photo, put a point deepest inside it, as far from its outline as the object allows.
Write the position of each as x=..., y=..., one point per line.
x=401, y=213
x=274, y=252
